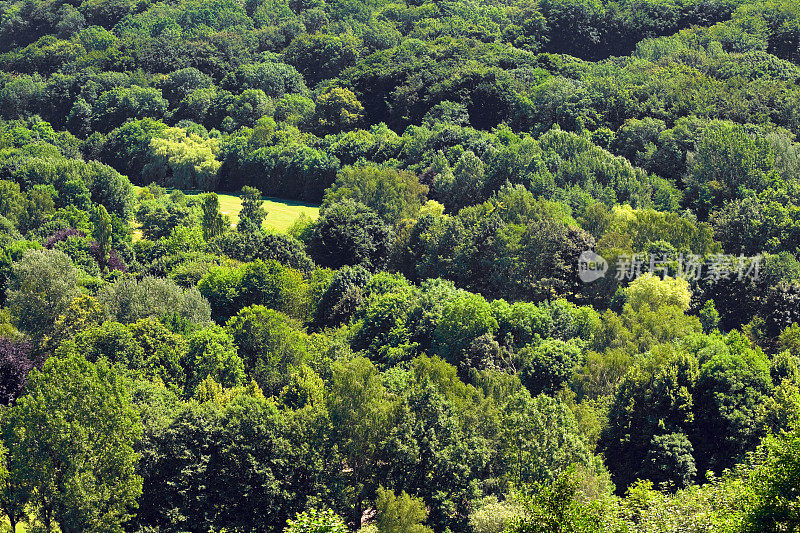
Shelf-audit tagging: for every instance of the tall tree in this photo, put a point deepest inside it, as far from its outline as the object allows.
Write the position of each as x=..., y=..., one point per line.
x=271, y=345
x=252, y=214
x=102, y=234
x=655, y=398
x=213, y=221
x=74, y=444
x=361, y=414
x=775, y=484
x=15, y=489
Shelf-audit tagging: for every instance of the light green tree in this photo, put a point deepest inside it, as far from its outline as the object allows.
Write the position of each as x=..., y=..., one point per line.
x=362, y=415
x=464, y=319
x=400, y=514
x=540, y=438
x=392, y=194
x=271, y=344
x=42, y=286
x=338, y=108
x=655, y=292
x=315, y=521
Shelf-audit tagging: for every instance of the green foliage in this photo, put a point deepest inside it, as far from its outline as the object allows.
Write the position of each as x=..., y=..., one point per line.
x=214, y=223
x=540, y=439
x=211, y=353
x=350, y=233
x=670, y=460
x=493, y=516
x=730, y=396
x=464, y=319
x=237, y=438
x=275, y=79
x=75, y=430
x=271, y=345
x=560, y=507
x=390, y=193
x=397, y=514
x=253, y=245
x=252, y=215
x=115, y=106
x=709, y=316
x=273, y=285
x=635, y=229
x=112, y=341
x=315, y=521
x=42, y=285
x=340, y=294
x=650, y=291
x=159, y=216
x=229, y=289
x=336, y=109
x=775, y=483
x=361, y=414
x=539, y=130
x=548, y=366
x=385, y=328
x=222, y=286
x=182, y=159
x=128, y=300
x=102, y=235
x=321, y=56
x=654, y=398
x=163, y=350
x=729, y=164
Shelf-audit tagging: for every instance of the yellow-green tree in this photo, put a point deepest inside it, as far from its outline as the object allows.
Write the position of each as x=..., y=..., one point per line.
x=400, y=514
x=183, y=160
x=654, y=292
x=338, y=108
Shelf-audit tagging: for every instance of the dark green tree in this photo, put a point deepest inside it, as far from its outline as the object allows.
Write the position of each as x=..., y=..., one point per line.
x=349, y=233
x=252, y=214
x=213, y=222
x=655, y=397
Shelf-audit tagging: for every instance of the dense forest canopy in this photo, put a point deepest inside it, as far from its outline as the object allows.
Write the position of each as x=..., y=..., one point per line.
x=554, y=283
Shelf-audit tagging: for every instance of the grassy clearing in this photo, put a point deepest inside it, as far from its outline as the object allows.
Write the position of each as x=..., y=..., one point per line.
x=280, y=213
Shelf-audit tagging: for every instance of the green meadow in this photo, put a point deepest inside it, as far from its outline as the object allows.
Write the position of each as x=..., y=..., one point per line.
x=280, y=213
